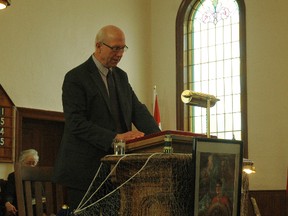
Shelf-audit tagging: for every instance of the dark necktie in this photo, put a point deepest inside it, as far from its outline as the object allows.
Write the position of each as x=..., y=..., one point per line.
x=114, y=103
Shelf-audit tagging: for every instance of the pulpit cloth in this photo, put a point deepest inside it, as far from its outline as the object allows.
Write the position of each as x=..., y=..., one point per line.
x=141, y=185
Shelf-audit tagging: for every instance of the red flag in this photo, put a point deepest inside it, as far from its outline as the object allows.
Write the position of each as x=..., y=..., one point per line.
x=156, y=111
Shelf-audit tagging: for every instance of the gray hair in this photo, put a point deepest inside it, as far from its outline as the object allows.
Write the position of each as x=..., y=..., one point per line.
x=100, y=36
x=29, y=152
x=106, y=32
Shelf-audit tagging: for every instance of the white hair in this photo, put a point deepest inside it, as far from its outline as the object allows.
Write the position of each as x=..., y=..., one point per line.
x=29, y=152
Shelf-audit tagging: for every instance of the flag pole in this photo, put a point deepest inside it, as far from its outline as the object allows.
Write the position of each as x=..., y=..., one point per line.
x=156, y=112
x=154, y=98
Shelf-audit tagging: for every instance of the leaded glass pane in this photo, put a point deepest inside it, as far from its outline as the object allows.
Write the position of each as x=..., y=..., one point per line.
x=213, y=47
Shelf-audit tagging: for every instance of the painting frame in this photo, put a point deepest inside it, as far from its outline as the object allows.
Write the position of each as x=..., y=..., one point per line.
x=217, y=168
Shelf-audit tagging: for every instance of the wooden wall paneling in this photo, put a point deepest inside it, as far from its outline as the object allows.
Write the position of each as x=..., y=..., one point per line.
x=7, y=127
x=41, y=130
x=270, y=202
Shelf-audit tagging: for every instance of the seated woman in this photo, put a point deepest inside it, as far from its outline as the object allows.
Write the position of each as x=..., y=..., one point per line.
x=2, y=204
x=27, y=158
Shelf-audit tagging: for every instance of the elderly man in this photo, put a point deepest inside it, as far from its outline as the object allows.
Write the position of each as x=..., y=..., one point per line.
x=99, y=105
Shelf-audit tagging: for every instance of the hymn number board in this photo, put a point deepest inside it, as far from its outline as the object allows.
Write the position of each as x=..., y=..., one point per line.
x=7, y=116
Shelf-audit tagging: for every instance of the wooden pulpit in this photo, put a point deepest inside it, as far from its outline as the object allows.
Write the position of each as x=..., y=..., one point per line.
x=153, y=183
x=181, y=142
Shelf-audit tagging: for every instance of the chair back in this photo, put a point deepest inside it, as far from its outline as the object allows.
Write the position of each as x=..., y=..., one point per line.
x=36, y=194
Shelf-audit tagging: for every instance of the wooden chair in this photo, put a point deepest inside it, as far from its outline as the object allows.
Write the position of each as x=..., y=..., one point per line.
x=36, y=193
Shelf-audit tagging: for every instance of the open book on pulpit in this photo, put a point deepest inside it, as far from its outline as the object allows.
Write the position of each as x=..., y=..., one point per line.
x=181, y=142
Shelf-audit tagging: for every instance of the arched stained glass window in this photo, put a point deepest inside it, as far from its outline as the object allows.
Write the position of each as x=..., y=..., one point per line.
x=212, y=61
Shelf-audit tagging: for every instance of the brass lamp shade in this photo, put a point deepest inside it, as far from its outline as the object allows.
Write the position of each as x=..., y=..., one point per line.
x=201, y=100
x=198, y=99
x=4, y=4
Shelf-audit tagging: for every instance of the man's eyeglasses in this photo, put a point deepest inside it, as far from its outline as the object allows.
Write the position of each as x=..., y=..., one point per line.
x=116, y=48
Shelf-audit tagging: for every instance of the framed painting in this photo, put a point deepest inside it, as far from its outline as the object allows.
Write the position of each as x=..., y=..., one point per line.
x=217, y=180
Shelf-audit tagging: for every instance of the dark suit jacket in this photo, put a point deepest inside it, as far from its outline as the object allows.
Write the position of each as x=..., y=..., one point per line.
x=10, y=190
x=89, y=128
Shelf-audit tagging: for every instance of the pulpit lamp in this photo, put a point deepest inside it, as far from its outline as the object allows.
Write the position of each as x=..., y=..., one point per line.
x=198, y=99
x=248, y=166
x=4, y=4
x=202, y=100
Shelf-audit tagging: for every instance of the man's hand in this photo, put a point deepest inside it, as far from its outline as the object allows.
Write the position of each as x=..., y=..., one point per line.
x=129, y=135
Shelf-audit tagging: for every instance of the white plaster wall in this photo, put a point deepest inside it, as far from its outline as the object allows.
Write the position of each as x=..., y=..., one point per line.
x=41, y=40
x=163, y=58
x=267, y=70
